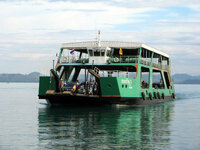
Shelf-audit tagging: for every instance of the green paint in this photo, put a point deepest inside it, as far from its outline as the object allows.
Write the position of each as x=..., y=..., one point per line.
x=109, y=86
x=131, y=87
x=46, y=83
x=123, y=87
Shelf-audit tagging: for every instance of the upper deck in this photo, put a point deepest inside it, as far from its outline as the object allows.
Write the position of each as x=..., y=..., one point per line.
x=112, y=52
x=82, y=46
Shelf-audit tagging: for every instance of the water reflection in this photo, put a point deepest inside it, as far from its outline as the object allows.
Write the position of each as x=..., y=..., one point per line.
x=105, y=127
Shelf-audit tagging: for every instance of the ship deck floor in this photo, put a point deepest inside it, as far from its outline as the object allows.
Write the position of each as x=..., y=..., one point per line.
x=68, y=93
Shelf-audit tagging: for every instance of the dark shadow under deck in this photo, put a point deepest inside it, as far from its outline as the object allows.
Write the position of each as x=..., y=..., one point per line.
x=81, y=99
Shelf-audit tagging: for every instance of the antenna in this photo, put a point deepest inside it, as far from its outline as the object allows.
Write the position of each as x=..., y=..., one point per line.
x=99, y=42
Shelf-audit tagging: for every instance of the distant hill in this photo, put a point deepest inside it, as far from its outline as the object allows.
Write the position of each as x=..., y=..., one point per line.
x=186, y=79
x=32, y=77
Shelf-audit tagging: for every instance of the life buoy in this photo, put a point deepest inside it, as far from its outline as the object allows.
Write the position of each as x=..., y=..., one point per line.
x=163, y=96
x=158, y=95
x=143, y=96
x=116, y=59
x=150, y=96
x=109, y=61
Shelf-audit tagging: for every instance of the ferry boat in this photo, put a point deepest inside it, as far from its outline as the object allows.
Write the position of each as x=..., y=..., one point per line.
x=108, y=72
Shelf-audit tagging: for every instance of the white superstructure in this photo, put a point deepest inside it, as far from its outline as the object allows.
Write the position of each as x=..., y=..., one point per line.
x=111, y=44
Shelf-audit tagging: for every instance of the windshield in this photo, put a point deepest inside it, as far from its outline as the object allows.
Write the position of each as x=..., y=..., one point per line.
x=97, y=52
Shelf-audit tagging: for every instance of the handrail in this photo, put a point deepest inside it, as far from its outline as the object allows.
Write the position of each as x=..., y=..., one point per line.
x=119, y=59
x=124, y=59
x=73, y=59
x=135, y=59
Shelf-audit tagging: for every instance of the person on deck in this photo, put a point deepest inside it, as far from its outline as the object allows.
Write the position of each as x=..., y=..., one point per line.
x=75, y=87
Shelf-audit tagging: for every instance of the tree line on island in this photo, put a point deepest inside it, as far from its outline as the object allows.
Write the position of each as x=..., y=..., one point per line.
x=34, y=77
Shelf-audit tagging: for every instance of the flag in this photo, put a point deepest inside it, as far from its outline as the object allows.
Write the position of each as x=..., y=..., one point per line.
x=120, y=51
x=72, y=51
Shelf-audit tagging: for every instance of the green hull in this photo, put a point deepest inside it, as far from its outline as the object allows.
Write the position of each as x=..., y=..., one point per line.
x=114, y=90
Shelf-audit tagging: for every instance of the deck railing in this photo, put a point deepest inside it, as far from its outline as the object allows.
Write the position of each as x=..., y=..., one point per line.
x=121, y=59
x=73, y=59
x=68, y=59
x=135, y=59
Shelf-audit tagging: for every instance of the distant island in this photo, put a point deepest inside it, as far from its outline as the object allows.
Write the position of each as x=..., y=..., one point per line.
x=186, y=79
x=31, y=77
x=34, y=77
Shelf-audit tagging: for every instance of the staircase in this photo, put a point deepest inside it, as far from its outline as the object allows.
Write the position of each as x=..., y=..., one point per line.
x=95, y=72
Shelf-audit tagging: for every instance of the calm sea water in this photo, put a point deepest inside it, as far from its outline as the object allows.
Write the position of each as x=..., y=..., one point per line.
x=28, y=123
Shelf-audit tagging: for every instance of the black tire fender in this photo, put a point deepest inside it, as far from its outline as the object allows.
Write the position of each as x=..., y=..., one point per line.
x=143, y=96
x=163, y=96
x=155, y=95
x=173, y=96
x=150, y=96
x=158, y=95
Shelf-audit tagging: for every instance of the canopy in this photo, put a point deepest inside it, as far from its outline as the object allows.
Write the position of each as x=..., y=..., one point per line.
x=82, y=46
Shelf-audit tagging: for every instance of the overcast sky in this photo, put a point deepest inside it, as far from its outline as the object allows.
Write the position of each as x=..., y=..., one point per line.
x=32, y=31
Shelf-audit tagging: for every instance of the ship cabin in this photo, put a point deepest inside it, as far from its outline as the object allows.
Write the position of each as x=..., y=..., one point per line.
x=115, y=67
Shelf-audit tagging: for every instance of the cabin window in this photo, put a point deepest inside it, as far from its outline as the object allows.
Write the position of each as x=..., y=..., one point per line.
x=102, y=73
x=114, y=74
x=167, y=80
x=91, y=52
x=118, y=71
x=144, y=77
x=107, y=73
x=132, y=74
x=157, y=79
x=165, y=61
x=146, y=57
x=102, y=52
x=157, y=58
x=146, y=53
x=108, y=53
x=127, y=72
x=131, y=53
x=84, y=55
x=96, y=53
x=122, y=74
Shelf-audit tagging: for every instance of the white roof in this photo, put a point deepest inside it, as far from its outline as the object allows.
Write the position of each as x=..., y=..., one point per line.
x=112, y=44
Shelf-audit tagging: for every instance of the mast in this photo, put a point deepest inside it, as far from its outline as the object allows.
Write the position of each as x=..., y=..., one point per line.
x=99, y=42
